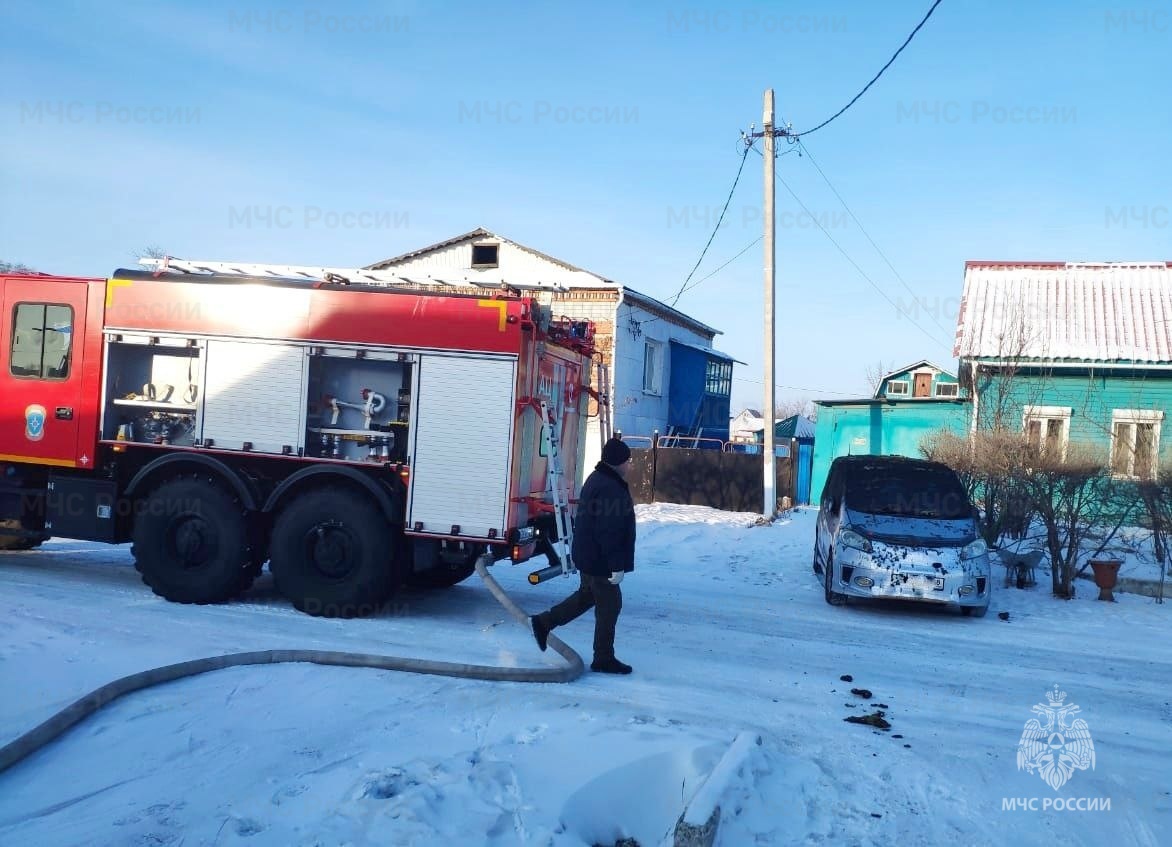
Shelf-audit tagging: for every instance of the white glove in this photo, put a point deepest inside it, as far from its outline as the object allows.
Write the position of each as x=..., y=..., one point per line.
x=616, y=578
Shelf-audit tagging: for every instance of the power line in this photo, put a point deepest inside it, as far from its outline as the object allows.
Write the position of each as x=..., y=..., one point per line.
x=863, y=229
x=855, y=264
x=738, y=255
x=716, y=229
x=791, y=387
x=873, y=80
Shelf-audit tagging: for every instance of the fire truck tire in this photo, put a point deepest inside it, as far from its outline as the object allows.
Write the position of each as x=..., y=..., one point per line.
x=191, y=542
x=11, y=542
x=332, y=554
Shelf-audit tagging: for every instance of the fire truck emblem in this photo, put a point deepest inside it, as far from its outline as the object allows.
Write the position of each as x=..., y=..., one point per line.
x=34, y=422
x=1056, y=748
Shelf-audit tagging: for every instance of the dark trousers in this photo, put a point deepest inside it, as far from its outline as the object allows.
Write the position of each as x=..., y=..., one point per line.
x=606, y=599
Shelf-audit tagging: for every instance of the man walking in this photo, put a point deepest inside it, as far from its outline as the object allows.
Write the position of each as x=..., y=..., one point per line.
x=603, y=551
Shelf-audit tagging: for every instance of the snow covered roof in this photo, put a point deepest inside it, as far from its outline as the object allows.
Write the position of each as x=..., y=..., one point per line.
x=1111, y=311
x=574, y=276
x=479, y=233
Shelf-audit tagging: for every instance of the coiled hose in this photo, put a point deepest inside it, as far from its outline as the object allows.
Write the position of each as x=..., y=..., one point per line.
x=33, y=740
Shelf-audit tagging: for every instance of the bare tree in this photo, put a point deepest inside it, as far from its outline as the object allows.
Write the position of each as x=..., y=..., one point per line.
x=152, y=251
x=1073, y=495
x=1156, y=496
x=15, y=268
x=990, y=465
x=788, y=408
x=874, y=374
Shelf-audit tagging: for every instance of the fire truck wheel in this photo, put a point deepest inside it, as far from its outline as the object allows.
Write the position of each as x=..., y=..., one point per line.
x=332, y=554
x=191, y=542
x=11, y=542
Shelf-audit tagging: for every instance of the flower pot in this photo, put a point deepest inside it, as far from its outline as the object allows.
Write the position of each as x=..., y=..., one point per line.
x=1106, y=573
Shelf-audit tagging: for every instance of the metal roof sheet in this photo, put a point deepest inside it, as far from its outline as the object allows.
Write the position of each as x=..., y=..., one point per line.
x=1110, y=311
x=716, y=354
x=577, y=278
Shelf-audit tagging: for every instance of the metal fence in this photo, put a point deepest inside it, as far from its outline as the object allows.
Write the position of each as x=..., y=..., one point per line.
x=718, y=478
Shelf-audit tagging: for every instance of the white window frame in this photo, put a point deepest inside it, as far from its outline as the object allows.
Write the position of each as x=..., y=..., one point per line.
x=905, y=383
x=1137, y=416
x=655, y=348
x=1048, y=413
x=955, y=386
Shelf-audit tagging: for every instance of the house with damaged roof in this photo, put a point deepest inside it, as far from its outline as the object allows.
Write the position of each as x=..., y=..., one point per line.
x=666, y=378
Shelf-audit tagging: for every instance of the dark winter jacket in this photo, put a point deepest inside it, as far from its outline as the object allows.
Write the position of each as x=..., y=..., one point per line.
x=604, y=524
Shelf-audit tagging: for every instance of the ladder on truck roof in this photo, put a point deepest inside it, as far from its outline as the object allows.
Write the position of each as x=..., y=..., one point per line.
x=364, y=276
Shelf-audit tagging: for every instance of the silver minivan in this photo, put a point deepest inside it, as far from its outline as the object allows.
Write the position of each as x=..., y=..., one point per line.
x=892, y=527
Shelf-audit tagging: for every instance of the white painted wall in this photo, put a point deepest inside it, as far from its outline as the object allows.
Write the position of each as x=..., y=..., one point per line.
x=511, y=259
x=636, y=412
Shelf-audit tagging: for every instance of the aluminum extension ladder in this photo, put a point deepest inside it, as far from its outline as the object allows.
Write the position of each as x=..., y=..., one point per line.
x=360, y=276
x=555, y=481
x=605, y=422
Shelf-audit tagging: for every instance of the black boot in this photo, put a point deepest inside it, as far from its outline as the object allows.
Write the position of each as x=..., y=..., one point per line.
x=609, y=666
x=540, y=631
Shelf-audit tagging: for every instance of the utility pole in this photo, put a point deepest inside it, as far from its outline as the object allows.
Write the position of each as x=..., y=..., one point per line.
x=770, y=508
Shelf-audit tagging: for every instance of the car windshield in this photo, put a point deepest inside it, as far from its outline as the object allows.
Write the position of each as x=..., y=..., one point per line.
x=920, y=491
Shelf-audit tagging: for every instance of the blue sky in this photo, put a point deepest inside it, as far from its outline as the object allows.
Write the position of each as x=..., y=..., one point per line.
x=606, y=135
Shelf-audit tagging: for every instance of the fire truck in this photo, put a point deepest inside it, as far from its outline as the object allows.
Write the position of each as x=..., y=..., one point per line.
x=355, y=430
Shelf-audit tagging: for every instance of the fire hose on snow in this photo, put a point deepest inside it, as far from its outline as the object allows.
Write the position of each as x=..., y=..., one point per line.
x=28, y=743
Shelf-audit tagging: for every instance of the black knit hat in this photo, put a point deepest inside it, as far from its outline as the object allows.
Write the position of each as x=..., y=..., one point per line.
x=615, y=452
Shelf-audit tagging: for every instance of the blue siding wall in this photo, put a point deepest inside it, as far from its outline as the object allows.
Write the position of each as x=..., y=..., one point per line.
x=686, y=387
x=881, y=428
x=938, y=378
x=1091, y=397
x=686, y=397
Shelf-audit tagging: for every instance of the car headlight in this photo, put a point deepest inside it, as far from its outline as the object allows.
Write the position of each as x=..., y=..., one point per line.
x=974, y=549
x=852, y=539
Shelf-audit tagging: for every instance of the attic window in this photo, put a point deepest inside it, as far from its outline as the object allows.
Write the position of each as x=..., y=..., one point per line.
x=485, y=255
x=947, y=389
x=898, y=388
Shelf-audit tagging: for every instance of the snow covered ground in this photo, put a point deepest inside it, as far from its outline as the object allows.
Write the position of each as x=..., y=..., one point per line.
x=727, y=630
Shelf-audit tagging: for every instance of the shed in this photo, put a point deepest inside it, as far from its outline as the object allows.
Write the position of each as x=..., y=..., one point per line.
x=879, y=427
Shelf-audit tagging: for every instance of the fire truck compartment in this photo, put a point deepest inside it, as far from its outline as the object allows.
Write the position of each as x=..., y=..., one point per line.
x=462, y=439
x=81, y=507
x=152, y=389
x=359, y=404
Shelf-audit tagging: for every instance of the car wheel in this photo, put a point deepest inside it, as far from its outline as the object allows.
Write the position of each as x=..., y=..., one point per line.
x=974, y=611
x=834, y=598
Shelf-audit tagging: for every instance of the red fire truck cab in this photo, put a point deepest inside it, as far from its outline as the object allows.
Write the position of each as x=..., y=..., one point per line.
x=355, y=437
